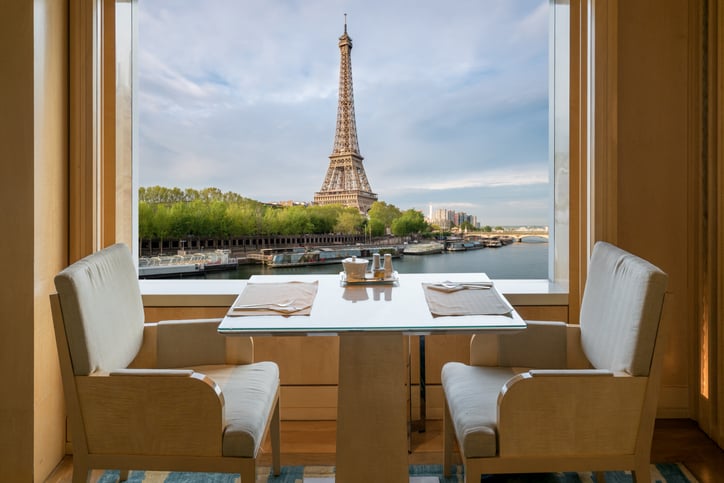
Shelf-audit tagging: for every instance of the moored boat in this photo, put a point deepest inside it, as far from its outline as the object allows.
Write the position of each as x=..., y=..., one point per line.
x=183, y=264
x=423, y=248
x=326, y=255
x=455, y=247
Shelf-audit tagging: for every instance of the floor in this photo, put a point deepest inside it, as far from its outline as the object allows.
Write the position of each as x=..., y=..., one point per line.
x=313, y=442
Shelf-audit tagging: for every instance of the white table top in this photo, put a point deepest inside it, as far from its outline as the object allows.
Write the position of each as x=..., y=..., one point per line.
x=369, y=308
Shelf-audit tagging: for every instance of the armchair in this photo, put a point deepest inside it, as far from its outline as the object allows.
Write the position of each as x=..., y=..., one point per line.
x=561, y=397
x=161, y=396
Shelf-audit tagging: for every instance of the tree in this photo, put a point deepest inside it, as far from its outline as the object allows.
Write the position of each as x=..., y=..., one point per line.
x=349, y=222
x=162, y=223
x=145, y=222
x=270, y=222
x=384, y=214
x=323, y=217
x=241, y=219
x=411, y=221
x=376, y=227
x=294, y=220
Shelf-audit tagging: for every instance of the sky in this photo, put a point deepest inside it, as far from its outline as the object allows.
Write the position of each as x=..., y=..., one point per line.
x=451, y=100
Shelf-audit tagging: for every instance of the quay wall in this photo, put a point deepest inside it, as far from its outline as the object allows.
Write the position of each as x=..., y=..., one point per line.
x=241, y=246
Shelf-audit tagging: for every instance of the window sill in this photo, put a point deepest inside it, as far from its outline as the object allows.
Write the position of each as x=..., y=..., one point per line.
x=222, y=293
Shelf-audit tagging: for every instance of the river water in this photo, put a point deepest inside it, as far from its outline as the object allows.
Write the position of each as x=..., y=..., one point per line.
x=519, y=260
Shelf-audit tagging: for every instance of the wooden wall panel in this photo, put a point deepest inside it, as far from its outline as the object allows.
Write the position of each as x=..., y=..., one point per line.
x=33, y=133
x=16, y=219
x=652, y=149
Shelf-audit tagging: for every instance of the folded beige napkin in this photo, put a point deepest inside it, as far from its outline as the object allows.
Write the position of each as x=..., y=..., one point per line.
x=464, y=301
x=284, y=298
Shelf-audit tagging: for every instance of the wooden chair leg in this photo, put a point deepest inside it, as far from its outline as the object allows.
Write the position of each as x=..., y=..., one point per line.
x=600, y=477
x=248, y=471
x=81, y=472
x=448, y=432
x=642, y=472
x=124, y=475
x=275, y=430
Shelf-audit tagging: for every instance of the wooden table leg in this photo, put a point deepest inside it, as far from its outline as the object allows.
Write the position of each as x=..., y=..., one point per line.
x=371, y=411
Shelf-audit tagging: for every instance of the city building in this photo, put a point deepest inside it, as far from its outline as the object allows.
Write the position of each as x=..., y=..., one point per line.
x=446, y=219
x=346, y=182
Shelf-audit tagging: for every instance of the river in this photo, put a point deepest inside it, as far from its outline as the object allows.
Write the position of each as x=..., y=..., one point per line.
x=519, y=260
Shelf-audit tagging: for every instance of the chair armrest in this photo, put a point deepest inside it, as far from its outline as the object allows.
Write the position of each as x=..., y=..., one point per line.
x=185, y=343
x=569, y=412
x=569, y=372
x=540, y=345
x=152, y=412
x=152, y=372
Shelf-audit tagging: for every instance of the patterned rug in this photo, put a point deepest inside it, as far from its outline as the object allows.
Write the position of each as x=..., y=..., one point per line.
x=661, y=473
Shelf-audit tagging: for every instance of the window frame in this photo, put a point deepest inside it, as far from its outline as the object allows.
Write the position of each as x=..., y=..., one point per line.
x=569, y=205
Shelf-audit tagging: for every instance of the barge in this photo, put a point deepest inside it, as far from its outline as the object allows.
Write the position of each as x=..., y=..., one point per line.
x=301, y=257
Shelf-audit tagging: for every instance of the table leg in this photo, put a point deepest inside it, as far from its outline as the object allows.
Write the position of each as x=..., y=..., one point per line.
x=371, y=411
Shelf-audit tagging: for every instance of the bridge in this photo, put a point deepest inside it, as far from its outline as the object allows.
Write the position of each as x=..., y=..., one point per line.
x=516, y=235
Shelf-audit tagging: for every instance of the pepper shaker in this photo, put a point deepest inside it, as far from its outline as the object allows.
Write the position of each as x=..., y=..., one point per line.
x=388, y=265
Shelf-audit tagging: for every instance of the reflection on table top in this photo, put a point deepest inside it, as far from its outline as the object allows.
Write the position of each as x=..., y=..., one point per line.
x=339, y=308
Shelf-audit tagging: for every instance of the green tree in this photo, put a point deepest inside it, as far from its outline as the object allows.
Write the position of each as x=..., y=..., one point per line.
x=219, y=226
x=381, y=212
x=294, y=220
x=323, y=217
x=349, y=222
x=145, y=222
x=411, y=221
x=241, y=219
x=270, y=222
x=376, y=227
x=162, y=223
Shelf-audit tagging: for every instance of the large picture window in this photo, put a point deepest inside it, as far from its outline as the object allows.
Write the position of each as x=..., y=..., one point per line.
x=468, y=115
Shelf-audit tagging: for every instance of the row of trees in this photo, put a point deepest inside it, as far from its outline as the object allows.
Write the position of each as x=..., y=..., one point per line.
x=165, y=213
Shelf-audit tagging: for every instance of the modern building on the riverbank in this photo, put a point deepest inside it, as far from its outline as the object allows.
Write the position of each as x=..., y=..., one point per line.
x=346, y=181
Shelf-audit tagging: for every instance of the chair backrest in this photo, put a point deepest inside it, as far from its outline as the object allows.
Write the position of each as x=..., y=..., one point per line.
x=102, y=310
x=620, y=310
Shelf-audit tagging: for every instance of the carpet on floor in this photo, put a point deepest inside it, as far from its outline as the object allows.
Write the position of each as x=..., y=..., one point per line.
x=660, y=473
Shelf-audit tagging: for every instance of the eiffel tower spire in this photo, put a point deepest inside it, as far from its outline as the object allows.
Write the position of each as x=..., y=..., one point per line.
x=346, y=182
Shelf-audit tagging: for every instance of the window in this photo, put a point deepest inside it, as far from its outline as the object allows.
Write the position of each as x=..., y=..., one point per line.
x=381, y=133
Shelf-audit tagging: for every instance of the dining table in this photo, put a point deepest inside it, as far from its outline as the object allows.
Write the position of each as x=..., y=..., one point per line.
x=372, y=317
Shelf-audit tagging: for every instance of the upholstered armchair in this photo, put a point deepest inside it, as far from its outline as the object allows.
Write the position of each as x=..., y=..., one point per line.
x=558, y=397
x=170, y=395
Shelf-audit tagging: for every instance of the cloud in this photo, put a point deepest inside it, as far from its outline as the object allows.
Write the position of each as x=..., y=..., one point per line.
x=450, y=100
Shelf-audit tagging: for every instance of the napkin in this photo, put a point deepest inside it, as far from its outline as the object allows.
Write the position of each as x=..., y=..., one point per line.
x=277, y=298
x=464, y=301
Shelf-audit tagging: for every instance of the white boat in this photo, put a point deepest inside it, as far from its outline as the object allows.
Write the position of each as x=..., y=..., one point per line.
x=182, y=264
x=423, y=248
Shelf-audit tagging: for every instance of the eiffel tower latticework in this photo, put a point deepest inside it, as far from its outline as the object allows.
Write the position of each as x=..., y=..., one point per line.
x=346, y=181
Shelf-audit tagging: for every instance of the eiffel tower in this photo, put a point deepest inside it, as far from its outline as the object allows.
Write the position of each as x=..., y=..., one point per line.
x=346, y=182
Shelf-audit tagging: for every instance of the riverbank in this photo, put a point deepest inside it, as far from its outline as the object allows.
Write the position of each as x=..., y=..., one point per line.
x=514, y=261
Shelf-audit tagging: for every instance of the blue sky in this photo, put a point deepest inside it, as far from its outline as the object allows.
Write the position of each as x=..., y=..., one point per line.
x=451, y=99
